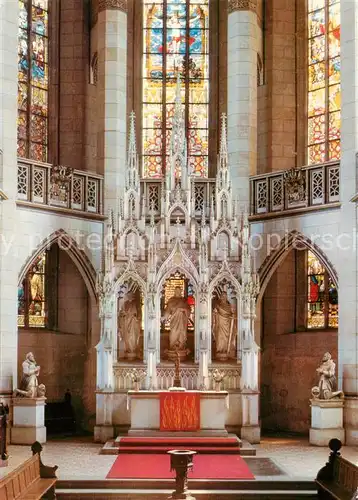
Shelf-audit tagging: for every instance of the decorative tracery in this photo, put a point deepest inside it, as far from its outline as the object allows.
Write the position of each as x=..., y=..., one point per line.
x=176, y=40
x=33, y=80
x=324, y=89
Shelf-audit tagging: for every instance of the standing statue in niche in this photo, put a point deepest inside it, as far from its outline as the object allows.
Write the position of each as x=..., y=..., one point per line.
x=177, y=312
x=129, y=326
x=223, y=327
x=327, y=386
x=29, y=386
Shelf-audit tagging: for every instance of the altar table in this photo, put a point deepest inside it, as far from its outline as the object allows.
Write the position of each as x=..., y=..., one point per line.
x=205, y=412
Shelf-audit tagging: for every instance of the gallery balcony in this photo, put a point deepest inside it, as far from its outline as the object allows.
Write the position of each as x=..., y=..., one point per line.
x=59, y=189
x=284, y=193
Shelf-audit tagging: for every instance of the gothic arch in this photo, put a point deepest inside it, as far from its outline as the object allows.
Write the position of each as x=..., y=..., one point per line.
x=69, y=245
x=295, y=240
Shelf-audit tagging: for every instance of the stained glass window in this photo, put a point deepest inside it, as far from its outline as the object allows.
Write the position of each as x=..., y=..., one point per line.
x=324, y=89
x=322, y=296
x=32, y=126
x=32, y=306
x=175, y=40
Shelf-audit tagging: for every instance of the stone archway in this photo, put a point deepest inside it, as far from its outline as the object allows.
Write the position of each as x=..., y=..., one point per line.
x=64, y=348
x=289, y=352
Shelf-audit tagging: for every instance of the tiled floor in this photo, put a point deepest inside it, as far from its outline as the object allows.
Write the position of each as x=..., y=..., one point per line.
x=80, y=458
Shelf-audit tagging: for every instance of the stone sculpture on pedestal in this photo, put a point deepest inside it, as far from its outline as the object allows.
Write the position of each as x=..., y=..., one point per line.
x=223, y=327
x=129, y=326
x=327, y=386
x=29, y=386
x=326, y=406
x=177, y=311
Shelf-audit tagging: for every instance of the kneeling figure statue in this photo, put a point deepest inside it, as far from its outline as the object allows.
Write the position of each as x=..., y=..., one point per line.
x=29, y=386
x=327, y=385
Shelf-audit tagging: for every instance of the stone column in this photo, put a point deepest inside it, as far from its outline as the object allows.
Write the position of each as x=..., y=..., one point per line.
x=8, y=187
x=348, y=255
x=112, y=90
x=242, y=94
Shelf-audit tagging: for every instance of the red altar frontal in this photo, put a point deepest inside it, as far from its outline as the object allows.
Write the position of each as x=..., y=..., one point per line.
x=179, y=411
x=174, y=411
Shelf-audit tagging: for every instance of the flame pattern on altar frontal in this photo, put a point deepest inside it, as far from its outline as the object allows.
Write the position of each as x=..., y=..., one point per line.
x=178, y=232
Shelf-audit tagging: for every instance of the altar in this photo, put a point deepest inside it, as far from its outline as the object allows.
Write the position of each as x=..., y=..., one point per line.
x=182, y=412
x=178, y=282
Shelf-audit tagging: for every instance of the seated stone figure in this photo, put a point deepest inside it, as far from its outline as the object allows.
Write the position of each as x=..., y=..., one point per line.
x=29, y=386
x=327, y=385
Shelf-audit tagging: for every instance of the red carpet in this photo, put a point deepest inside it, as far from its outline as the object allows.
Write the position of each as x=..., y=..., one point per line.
x=144, y=466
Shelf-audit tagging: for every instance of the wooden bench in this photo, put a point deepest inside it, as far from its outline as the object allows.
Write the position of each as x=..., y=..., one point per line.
x=338, y=479
x=31, y=481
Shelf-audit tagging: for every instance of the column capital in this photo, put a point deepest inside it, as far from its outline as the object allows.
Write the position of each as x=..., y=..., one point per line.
x=112, y=5
x=234, y=5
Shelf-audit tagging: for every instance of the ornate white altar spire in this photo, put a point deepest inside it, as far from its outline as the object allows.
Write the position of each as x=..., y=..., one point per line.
x=132, y=202
x=178, y=158
x=223, y=182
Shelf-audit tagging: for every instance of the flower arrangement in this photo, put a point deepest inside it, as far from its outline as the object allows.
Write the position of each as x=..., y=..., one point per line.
x=218, y=376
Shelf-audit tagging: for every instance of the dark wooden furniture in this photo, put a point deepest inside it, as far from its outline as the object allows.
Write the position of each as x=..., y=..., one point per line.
x=4, y=410
x=31, y=481
x=338, y=479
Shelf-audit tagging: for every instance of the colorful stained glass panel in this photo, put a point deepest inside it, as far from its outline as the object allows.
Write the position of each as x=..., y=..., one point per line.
x=316, y=23
x=38, y=101
x=334, y=70
x=198, y=165
x=316, y=154
x=316, y=76
x=334, y=18
x=334, y=125
x=334, y=150
x=317, y=49
x=315, y=4
x=23, y=18
x=175, y=35
x=38, y=152
x=39, y=21
x=316, y=102
x=38, y=128
x=317, y=129
x=335, y=98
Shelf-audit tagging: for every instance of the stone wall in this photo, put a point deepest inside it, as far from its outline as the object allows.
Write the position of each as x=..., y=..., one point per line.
x=288, y=359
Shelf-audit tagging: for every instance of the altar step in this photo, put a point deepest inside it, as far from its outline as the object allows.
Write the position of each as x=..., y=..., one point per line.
x=229, y=445
x=203, y=490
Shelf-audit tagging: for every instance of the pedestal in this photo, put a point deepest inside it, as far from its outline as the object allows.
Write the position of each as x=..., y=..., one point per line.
x=250, y=430
x=326, y=421
x=351, y=420
x=28, y=421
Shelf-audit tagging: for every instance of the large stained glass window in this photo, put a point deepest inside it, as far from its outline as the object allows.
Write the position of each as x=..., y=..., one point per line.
x=33, y=80
x=32, y=304
x=324, y=90
x=322, y=296
x=176, y=40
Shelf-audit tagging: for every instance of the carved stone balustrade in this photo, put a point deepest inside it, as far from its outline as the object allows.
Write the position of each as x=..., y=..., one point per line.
x=59, y=187
x=298, y=189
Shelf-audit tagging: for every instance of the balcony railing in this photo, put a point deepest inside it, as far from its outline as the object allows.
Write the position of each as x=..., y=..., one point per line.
x=298, y=189
x=75, y=190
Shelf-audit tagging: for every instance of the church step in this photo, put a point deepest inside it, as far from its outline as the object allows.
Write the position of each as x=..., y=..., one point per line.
x=77, y=494
x=184, y=441
x=163, y=449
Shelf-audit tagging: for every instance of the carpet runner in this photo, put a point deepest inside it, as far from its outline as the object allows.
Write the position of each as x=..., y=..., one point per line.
x=157, y=466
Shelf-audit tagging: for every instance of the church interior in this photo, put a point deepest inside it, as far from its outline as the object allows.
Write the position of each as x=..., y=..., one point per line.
x=178, y=248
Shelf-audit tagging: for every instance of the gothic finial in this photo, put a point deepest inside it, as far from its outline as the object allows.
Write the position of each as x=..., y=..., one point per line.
x=223, y=139
x=132, y=178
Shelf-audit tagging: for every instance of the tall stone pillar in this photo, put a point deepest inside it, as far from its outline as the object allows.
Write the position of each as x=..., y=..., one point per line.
x=112, y=85
x=242, y=44
x=8, y=181
x=348, y=260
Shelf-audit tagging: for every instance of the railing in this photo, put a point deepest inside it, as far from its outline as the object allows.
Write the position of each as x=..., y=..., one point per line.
x=165, y=377
x=204, y=191
x=76, y=190
x=295, y=189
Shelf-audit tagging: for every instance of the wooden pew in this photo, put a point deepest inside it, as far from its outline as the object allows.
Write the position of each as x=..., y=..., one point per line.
x=338, y=479
x=31, y=481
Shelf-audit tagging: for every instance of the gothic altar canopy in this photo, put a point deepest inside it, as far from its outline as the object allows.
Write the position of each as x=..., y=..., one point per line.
x=177, y=277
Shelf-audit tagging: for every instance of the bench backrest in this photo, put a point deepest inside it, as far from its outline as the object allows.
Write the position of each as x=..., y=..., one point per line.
x=345, y=474
x=17, y=482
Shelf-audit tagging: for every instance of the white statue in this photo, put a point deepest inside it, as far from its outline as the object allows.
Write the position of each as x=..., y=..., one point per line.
x=129, y=325
x=29, y=386
x=177, y=311
x=223, y=327
x=327, y=386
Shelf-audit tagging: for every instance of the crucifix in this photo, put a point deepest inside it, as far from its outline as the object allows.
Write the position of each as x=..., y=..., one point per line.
x=177, y=381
